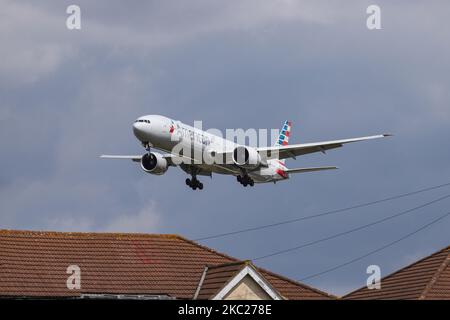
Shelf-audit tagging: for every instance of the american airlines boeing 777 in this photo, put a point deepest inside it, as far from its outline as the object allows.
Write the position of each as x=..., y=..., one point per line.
x=200, y=153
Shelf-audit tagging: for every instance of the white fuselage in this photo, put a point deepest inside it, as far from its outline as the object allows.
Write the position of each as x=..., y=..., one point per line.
x=171, y=135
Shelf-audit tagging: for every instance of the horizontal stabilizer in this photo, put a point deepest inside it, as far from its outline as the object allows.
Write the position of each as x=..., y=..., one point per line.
x=301, y=170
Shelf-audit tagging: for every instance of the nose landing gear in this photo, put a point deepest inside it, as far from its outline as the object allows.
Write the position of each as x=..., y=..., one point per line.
x=147, y=146
x=245, y=180
x=194, y=183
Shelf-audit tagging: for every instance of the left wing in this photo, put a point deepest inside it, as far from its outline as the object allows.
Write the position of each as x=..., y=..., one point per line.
x=185, y=163
x=135, y=158
x=291, y=151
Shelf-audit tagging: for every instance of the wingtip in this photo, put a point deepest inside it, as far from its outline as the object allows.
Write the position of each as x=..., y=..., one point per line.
x=387, y=134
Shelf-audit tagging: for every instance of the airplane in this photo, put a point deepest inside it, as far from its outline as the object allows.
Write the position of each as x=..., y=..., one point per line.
x=249, y=165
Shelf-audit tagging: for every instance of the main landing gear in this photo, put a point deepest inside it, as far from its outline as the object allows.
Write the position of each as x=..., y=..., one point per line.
x=194, y=183
x=245, y=180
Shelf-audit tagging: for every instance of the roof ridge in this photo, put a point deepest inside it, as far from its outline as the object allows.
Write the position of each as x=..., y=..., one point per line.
x=435, y=276
x=402, y=269
x=212, y=266
x=11, y=232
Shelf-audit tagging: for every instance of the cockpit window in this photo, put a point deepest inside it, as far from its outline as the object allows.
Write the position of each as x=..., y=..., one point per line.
x=144, y=121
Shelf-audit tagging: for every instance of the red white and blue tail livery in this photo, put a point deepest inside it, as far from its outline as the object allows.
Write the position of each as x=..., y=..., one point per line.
x=285, y=132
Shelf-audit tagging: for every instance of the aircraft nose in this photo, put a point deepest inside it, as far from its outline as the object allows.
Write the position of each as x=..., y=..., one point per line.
x=138, y=130
x=136, y=127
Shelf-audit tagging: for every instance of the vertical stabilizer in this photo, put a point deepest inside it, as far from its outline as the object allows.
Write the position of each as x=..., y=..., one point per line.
x=285, y=132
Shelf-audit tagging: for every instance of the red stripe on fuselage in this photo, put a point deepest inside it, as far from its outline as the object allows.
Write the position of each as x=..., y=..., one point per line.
x=282, y=173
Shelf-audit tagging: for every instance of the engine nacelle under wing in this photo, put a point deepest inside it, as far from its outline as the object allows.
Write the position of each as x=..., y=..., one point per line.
x=247, y=158
x=154, y=163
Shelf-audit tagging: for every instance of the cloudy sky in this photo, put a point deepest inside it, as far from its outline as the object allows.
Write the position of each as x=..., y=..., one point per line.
x=68, y=96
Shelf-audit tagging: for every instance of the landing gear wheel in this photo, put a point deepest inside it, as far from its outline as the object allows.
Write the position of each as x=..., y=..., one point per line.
x=245, y=180
x=194, y=184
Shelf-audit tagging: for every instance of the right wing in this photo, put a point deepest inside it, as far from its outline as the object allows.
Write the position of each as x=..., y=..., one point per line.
x=301, y=170
x=291, y=151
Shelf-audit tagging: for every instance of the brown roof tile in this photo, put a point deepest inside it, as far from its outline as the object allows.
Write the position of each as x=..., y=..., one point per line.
x=34, y=263
x=428, y=278
x=216, y=277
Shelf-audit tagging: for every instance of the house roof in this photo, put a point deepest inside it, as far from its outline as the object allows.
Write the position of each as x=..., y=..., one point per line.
x=428, y=278
x=34, y=263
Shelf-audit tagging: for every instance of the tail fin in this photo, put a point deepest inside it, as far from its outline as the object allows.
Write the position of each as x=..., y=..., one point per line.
x=283, y=138
x=285, y=132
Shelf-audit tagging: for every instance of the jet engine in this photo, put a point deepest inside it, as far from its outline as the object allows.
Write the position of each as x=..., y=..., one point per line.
x=247, y=158
x=154, y=163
